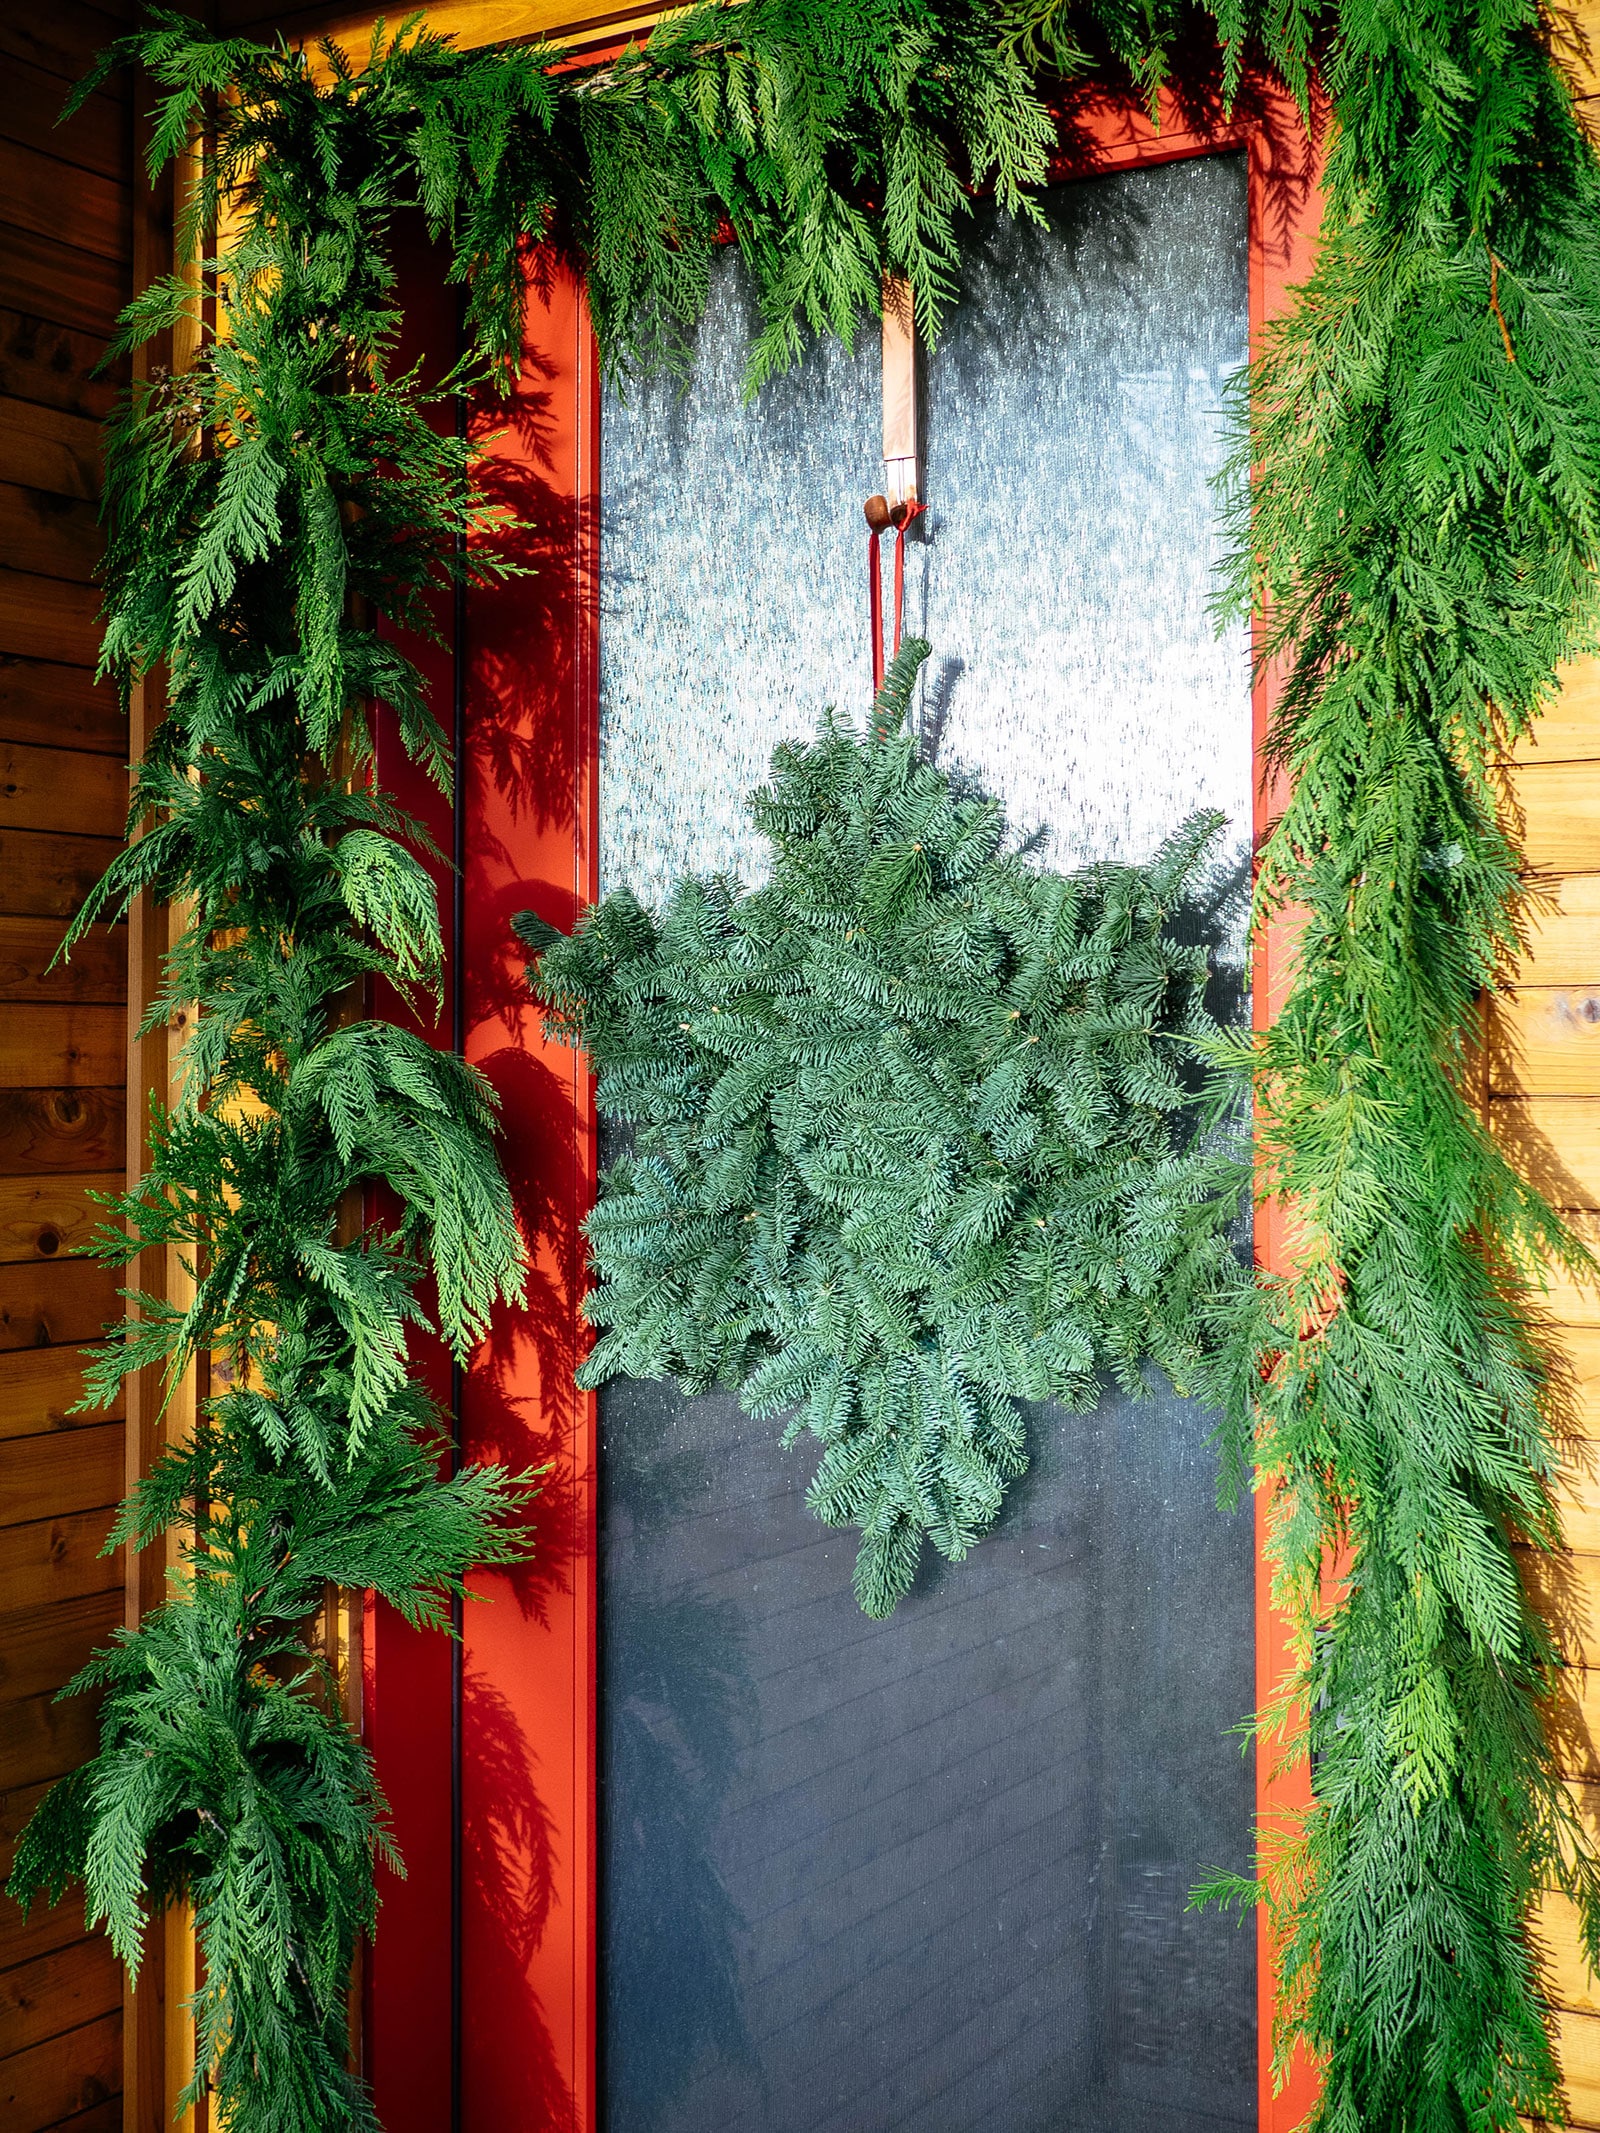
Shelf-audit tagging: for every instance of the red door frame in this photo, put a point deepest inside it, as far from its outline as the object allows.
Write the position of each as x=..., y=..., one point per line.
x=481, y=2010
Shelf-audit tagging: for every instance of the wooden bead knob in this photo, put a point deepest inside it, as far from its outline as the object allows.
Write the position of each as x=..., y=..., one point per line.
x=878, y=514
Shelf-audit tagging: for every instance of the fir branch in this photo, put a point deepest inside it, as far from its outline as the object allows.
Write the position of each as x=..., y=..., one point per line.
x=909, y=1143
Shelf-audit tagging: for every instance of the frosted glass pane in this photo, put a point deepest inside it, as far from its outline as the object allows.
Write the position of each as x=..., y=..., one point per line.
x=1063, y=573
x=931, y=1873
x=733, y=590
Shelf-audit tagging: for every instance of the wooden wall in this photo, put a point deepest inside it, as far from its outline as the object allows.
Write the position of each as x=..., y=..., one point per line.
x=1543, y=1094
x=63, y=1035
x=1544, y=1103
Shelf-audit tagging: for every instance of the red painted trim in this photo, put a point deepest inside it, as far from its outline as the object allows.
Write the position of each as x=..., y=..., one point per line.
x=527, y=788
x=529, y=1900
x=1284, y=217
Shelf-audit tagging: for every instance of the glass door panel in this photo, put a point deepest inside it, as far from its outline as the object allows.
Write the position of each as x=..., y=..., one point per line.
x=931, y=1873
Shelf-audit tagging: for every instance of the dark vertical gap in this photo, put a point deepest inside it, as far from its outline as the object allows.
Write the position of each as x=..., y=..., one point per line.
x=458, y=1035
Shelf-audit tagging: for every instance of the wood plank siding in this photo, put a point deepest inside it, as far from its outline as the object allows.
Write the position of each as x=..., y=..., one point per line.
x=1542, y=1087
x=66, y=266
x=1542, y=1083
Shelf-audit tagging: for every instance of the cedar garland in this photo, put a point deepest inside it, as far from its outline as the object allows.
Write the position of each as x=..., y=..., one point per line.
x=1421, y=540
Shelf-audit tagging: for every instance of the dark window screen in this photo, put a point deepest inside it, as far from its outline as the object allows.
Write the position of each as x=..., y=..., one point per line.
x=931, y=1873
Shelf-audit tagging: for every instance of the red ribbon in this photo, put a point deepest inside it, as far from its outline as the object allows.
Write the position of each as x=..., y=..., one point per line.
x=907, y=513
x=900, y=518
x=875, y=608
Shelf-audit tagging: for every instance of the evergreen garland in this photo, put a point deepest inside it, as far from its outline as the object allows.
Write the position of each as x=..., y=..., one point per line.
x=1422, y=541
x=903, y=1146
x=267, y=513
x=1421, y=537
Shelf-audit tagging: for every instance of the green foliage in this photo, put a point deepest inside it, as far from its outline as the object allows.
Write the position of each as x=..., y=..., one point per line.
x=796, y=116
x=781, y=118
x=223, y=1778
x=1420, y=544
x=903, y=1145
x=273, y=516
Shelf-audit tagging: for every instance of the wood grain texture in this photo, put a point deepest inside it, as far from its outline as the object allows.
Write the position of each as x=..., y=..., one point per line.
x=40, y=1387
x=1580, y=1349
x=54, y=366
x=70, y=2073
x=1557, y=813
x=1569, y=730
x=62, y=1990
x=56, y=536
x=62, y=789
x=1544, y=1040
x=47, y=874
x=1575, y=1723
x=41, y=193
x=1555, y=1142
x=60, y=40
x=107, y=2117
x=66, y=201
x=47, y=1131
x=62, y=706
x=1577, y=2040
x=57, y=1559
x=41, y=1738
x=1578, y=1498
x=52, y=451
x=22, y=1939
x=1565, y=1972
x=69, y=1470
x=69, y=1045
x=1578, y=45
x=46, y=618
x=45, y=1218
x=1562, y=922
x=45, y=1306
x=1565, y=1586
x=42, y=1647
x=1561, y=1303
x=99, y=137
x=61, y=283
x=97, y=969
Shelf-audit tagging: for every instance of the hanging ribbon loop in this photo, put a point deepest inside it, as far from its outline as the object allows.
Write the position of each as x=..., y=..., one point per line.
x=903, y=515
x=880, y=513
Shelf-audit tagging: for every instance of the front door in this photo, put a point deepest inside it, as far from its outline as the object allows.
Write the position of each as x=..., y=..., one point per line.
x=704, y=1846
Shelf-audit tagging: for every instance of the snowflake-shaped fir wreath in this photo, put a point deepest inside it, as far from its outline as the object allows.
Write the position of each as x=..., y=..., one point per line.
x=909, y=1139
